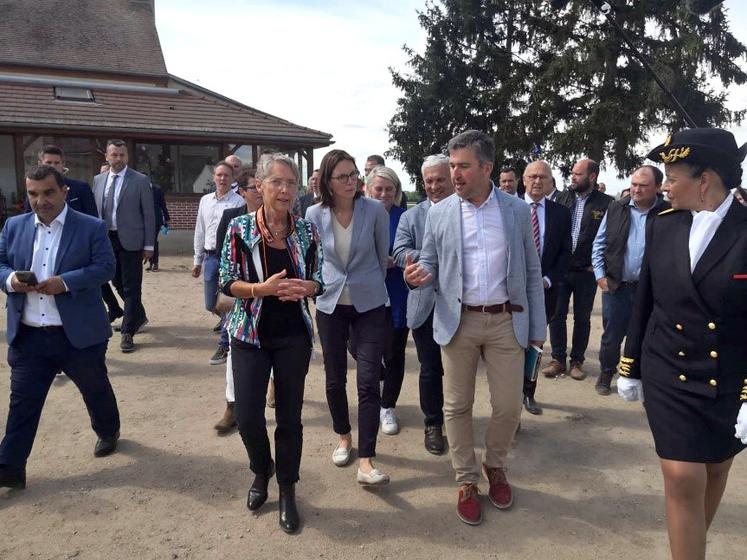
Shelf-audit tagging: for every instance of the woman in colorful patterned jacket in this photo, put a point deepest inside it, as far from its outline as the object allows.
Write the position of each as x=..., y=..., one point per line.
x=271, y=264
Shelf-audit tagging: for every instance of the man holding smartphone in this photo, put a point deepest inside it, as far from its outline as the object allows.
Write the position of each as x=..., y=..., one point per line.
x=52, y=265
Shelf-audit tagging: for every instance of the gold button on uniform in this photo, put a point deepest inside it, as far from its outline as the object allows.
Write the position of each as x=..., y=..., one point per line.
x=712, y=326
x=678, y=327
x=681, y=354
x=682, y=377
x=714, y=354
x=713, y=382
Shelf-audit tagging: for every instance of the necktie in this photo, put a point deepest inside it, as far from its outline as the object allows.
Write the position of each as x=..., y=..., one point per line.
x=108, y=210
x=536, y=227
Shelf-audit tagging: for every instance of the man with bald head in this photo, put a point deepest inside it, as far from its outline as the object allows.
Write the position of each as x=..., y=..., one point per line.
x=235, y=162
x=551, y=228
x=587, y=206
x=617, y=255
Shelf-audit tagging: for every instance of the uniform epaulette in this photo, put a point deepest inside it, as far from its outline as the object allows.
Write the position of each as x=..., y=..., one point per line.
x=667, y=211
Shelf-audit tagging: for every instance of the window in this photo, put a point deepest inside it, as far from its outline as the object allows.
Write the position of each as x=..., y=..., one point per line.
x=64, y=93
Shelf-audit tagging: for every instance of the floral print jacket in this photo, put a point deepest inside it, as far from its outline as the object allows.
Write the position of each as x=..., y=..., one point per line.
x=240, y=260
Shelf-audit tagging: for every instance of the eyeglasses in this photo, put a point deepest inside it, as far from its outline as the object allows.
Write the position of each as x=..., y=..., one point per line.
x=251, y=189
x=277, y=183
x=530, y=178
x=354, y=176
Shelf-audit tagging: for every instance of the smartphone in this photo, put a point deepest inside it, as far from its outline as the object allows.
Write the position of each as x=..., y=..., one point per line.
x=27, y=277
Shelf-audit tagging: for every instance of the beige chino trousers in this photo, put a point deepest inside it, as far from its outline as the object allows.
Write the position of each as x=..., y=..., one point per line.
x=490, y=335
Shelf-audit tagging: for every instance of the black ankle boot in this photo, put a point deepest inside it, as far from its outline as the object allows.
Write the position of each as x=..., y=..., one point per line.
x=289, y=520
x=258, y=490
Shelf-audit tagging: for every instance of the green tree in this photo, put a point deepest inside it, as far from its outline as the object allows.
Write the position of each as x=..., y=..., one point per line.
x=562, y=80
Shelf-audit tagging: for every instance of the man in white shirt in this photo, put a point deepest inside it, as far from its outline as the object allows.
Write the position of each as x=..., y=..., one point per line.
x=52, y=264
x=206, y=245
x=487, y=307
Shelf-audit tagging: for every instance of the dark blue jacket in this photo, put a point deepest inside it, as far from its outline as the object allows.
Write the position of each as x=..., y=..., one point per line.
x=159, y=204
x=85, y=261
x=395, y=282
x=79, y=198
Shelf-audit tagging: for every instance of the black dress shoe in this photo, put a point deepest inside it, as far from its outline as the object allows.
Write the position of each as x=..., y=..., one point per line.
x=289, y=520
x=115, y=314
x=258, y=490
x=126, y=345
x=531, y=406
x=434, y=440
x=12, y=477
x=106, y=446
x=604, y=383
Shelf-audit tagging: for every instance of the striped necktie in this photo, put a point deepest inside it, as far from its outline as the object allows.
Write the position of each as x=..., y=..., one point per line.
x=536, y=227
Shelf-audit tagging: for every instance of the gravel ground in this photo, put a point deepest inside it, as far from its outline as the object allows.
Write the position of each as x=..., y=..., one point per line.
x=586, y=478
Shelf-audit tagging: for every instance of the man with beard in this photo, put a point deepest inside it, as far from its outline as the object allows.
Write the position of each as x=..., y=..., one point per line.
x=588, y=206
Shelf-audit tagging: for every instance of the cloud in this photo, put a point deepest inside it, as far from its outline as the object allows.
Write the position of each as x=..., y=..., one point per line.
x=324, y=66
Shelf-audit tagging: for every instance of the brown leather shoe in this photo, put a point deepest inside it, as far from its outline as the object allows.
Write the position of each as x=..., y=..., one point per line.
x=553, y=369
x=576, y=372
x=468, y=505
x=228, y=421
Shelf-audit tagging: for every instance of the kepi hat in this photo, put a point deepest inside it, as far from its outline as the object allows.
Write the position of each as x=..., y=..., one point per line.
x=705, y=146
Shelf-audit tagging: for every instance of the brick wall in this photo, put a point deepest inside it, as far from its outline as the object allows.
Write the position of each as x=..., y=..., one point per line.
x=183, y=211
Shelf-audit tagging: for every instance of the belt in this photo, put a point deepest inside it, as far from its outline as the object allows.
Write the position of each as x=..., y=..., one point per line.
x=211, y=252
x=633, y=285
x=507, y=307
x=48, y=328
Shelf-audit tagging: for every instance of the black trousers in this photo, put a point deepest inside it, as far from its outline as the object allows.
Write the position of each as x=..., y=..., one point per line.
x=154, y=259
x=393, y=362
x=551, y=302
x=288, y=357
x=369, y=330
x=431, y=373
x=111, y=301
x=128, y=281
x=35, y=358
x=582, y=285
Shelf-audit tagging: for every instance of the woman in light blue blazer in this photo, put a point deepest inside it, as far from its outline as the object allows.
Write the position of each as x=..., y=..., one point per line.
x=354, y=233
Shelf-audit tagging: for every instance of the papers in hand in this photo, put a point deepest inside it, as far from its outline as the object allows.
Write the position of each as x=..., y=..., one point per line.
x=532, y=359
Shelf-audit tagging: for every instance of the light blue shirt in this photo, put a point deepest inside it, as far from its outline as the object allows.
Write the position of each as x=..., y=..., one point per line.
x=634, y=248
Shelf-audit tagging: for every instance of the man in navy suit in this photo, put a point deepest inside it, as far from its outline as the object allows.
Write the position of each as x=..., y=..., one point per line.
x=57, y=320
x=551, y=229
x=79, y=193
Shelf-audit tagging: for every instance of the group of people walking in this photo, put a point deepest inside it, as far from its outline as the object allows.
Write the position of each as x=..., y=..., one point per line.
x=475, y=272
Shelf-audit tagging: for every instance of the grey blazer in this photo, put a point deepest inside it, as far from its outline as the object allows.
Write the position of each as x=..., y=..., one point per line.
x=136, y=216
x=369, y=252
x=409, y=241
x=441, y=255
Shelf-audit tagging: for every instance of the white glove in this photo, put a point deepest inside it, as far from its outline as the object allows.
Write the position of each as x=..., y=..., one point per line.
x=631, y=390
x=741, y=425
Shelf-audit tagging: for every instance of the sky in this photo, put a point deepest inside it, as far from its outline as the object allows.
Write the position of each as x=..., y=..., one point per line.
x=324, y=65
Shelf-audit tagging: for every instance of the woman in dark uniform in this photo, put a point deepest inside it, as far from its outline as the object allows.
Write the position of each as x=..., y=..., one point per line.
x=685, y=348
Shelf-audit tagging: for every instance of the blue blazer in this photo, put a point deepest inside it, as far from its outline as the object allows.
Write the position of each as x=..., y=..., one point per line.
x=409, y=241
x=369, y=251
x=441, y=255
x=85, y=261
x=395, y=281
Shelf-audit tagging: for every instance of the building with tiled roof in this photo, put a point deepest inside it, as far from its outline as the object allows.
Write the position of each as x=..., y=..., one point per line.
x=77, y=79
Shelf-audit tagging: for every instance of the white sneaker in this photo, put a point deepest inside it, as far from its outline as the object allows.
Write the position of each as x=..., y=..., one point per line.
x=373, y=478
x=341, y=455
x=389, y=423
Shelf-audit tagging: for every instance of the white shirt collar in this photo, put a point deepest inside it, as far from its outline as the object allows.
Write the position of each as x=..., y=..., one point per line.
x=491, y=198
x=529, y=200
x=59, y=219
x=119, y=174
x=721, y=210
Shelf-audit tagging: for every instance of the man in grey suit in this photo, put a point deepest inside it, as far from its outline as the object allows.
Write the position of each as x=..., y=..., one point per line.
x=479, y=251
x=125, y=202
x=420, y=301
